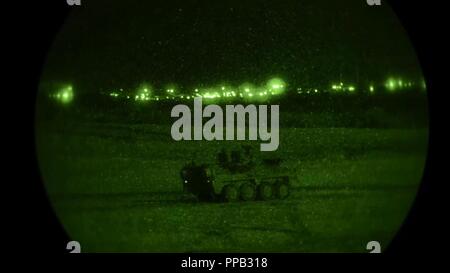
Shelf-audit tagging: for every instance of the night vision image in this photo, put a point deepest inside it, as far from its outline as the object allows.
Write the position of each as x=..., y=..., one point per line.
x=231, y=126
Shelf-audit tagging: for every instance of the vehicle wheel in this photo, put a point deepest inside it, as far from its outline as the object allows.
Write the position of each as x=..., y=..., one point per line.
x=247, y=192
x=282, y=190
x=230, y=193
x=265, y=191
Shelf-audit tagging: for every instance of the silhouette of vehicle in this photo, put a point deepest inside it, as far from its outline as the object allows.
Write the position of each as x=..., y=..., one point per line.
x=237, y=176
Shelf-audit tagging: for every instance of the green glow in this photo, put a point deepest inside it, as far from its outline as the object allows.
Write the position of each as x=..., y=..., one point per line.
x=207, y=95
x=224, y=91
x=65, y=95
x=143, y=93
x=391, y=84
x=341, y=87
x=424, y=85
x=171, y=89
x=276, y=86
x=337, y=87
x=394, y=84
x=211, y=93
x=245, y=89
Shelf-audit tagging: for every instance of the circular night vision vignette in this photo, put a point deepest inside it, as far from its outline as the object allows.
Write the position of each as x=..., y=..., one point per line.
x=352, y=138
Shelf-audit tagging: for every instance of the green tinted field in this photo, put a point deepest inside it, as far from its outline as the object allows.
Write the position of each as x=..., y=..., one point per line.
x=116, y=188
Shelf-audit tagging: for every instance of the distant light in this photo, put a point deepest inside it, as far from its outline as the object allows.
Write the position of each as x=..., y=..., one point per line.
x=246, y=88
x=211, y=94
x=276, y=86
x=143, y=93
x=338, y=87
x=391, y=84
x=65, y=95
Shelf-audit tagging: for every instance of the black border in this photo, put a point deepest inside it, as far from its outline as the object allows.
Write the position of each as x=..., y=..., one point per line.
x=39, y=21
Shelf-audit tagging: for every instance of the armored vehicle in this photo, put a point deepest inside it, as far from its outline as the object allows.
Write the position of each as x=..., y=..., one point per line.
x=237, y=175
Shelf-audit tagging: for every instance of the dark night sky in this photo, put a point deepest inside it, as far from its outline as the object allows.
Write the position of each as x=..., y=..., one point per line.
x=116, y=44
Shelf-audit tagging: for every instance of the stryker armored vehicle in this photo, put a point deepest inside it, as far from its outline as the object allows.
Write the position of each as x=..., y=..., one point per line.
x=236, y=176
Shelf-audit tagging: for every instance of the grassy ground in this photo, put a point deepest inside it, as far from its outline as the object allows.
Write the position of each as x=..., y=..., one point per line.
x=116, y=188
